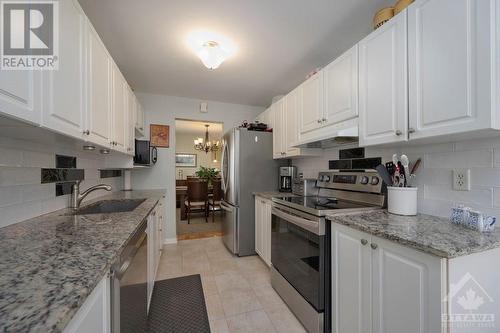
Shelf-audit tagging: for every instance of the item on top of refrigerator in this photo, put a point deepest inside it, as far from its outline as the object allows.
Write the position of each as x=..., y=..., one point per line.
x=256, y=126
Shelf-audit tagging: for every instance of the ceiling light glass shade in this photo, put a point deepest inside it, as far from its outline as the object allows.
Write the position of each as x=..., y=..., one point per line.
x=212, y=55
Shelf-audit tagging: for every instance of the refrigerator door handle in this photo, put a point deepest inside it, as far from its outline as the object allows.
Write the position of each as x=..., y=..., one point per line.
x=226, y=207
x=223, y=162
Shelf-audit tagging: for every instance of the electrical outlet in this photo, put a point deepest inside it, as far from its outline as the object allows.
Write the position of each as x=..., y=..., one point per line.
x=461, y=179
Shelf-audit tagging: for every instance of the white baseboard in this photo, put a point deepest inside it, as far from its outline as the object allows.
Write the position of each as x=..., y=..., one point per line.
x=170, y=241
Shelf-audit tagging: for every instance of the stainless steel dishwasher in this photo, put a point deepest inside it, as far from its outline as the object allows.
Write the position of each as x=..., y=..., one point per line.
x=129, y=285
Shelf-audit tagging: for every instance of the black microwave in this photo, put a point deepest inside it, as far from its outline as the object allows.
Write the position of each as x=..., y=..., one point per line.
x=144, y=153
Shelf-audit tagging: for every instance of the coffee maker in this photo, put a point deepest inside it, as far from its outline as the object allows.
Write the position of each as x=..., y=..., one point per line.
x=287, y=174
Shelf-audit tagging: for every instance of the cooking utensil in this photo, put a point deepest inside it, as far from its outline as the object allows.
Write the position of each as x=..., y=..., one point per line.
x=382, y=171
x=405, y=161
x=402, y=175
x=395, y=159
x=415, y=166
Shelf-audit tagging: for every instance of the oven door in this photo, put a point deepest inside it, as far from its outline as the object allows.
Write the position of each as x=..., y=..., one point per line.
x=298, y=252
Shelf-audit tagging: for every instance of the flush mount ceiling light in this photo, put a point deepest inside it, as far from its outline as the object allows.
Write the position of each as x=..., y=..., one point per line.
x=212, y=49
x=88, y=147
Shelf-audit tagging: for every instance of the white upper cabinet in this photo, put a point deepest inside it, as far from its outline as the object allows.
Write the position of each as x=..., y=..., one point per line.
x=311, y=116
x=139, y=118
x=279, y=129
x=293, y=103
x=64, y=89
x=130, y=121
x=119, y=114
x=99, y=112
x=450, y=64
x=341, y=88
x=21, y=95
x=383, y=84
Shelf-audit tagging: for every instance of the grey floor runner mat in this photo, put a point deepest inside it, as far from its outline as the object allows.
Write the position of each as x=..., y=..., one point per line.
x=178, y=305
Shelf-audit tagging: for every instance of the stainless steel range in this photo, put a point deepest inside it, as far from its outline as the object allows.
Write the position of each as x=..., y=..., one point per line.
x=300, y=241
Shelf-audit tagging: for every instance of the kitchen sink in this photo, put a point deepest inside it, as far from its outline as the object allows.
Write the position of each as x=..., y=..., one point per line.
x=110, y=206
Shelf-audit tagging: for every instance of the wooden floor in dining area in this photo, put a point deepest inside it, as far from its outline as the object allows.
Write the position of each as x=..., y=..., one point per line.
x=198, y=226
x=237, y=291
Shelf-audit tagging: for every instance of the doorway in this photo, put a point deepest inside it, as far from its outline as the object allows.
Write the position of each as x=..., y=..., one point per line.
x=197, y=172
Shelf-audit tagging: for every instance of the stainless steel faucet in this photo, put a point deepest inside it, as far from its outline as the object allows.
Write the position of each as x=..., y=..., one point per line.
x=77, y=197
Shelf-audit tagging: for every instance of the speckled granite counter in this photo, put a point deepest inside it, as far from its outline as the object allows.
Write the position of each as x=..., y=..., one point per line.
x=51, y=263
x=434, y=235
x=272, y=194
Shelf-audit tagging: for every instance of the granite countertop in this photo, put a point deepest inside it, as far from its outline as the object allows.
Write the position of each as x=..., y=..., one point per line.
x=50, y=264
x=272, y=194
x=431, y=234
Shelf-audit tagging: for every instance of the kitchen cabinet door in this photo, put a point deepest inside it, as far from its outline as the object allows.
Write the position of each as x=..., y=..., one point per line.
x=341, y=87
x=291, y=111
x=351, y=281
x=258, y=226
x=64, y=89
x=99, y=74
x=406, y=289
x=278, y=129
x=119, y=95
x=266, y=231
x=95, y=313
x=139, y=125
x=21, y=95
x=131, y=106
x=450, y=65
x=311, y=115
x=383, y=84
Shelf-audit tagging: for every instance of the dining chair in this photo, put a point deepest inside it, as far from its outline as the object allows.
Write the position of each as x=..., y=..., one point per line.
x=197, y=198
x=215, y=200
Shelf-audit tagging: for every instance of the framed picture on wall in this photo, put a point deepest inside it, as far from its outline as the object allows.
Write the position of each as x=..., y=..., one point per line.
x=185, y=160
x=159, y=135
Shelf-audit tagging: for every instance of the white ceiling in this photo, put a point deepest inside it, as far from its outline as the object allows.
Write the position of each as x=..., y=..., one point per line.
x=279, y=42
x=198, y=128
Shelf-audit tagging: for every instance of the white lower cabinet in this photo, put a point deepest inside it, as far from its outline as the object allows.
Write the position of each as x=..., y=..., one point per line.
x=263, y=229
x=95, y=314
x=154, y=246
x=379, y=286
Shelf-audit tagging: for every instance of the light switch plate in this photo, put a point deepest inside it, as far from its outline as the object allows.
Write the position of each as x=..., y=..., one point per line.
x=461, y=179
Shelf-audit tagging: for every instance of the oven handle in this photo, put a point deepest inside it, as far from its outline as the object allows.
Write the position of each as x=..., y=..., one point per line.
x=313, y=226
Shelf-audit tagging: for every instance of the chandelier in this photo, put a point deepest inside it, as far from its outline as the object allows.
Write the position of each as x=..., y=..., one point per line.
x=206, y=145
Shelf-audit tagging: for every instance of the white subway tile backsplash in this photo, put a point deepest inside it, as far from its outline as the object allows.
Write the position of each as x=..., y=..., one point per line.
x=39, y=159
x=477, y=196
x=463, y=159
x=434, y=177
x=10, y=195
x=19, y=176
x=22, y=196
x=38, y=192
x=10, y=157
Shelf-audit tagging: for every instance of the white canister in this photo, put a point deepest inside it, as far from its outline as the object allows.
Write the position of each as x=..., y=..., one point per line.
x=402, y=200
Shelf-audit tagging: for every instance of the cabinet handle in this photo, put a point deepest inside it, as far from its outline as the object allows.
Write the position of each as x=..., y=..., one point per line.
x=373, y=246
x=411, y=130
x=398, y=132
x=364, y=242
x=323, y=120
x=319, y=121
x=87, y=132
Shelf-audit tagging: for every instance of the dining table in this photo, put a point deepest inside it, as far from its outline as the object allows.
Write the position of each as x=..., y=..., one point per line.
x=181, y=195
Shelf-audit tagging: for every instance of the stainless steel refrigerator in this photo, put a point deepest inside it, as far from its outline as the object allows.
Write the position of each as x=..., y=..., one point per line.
x=247, y=167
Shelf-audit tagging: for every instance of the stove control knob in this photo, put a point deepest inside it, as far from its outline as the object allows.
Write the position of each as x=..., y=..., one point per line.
x=365, y=180
x=326, y=178
x=375, y=180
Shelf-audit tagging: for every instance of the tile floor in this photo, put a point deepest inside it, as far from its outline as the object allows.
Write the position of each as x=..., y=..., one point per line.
x=238, y=291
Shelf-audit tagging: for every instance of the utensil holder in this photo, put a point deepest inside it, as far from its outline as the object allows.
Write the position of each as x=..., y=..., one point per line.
x=402, y=200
